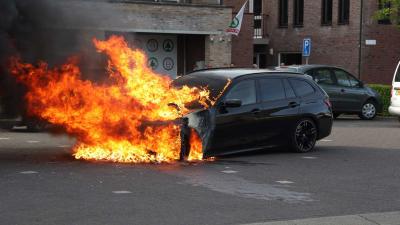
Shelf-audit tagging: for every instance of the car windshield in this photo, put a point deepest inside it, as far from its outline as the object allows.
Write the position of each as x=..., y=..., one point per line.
x=212, y=83
x=397, y=78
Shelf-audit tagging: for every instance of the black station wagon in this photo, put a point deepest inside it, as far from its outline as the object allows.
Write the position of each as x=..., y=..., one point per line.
x=258, y=109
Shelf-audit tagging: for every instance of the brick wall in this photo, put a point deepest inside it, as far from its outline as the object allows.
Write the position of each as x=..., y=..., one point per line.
x=379, y=61
x=334, y=45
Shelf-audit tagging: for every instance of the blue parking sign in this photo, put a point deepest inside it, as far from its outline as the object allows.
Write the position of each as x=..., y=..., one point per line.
x=307, y=47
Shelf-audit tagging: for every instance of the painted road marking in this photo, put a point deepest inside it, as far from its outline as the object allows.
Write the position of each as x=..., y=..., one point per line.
x=4, y=138
x=121, y=192
x=32, y=141
x=284, y=182
x=64, y=146
x=229, y=171
x=309, y=157
x=326, y=140
x=28, y=172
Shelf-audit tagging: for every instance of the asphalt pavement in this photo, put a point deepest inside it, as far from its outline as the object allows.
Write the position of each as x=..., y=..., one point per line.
x=353, y=174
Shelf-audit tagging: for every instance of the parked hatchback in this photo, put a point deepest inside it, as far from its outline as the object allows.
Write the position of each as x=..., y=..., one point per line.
x=394, y=108
x=256, y=109
x=347, y=94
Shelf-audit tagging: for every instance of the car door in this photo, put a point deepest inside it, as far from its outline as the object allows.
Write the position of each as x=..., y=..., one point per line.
x=324, y=78
x=279, y=110
x=235, y=126
x=352, y=95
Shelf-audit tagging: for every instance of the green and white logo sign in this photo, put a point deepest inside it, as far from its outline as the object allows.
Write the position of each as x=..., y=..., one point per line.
x=235, y=23
x=234, y=26
x=168, y=45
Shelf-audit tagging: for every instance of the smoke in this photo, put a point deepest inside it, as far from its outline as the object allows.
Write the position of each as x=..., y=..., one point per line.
x=45, y=30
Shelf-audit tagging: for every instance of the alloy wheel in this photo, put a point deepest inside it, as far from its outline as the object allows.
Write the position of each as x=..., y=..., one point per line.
x=305, y=136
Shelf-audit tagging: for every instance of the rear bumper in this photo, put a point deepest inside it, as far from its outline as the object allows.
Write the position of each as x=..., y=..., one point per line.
x=324, y=126
x=394, y=110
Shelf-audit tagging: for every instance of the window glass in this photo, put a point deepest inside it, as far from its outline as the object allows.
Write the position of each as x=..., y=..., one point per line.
x=342, y=78
x=326, y=18
x=245, y=91
x=353, y=81
x=323, y=76
x=271, y=89
x=288, y=89
x=302, y=88
x=298, y=13
x=344, y=11
x=283, y=13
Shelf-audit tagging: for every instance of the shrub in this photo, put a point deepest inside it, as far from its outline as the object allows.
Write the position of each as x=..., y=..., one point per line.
x=384, y=91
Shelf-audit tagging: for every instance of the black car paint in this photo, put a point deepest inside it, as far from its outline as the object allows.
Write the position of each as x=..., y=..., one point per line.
x=226, y=130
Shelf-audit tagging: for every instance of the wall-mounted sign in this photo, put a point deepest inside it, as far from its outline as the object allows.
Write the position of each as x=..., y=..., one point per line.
x=153, y=63
x=168, y=45
x=152, y=45
x=168, y=63
x=370, y=42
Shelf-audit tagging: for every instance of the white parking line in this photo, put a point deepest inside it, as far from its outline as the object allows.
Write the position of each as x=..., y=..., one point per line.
x=28, y=172
x=32, y=141
x=326, y=140
x=309, y=157
x=64, y=146
x=121, y=192
x=4, y=138
x=229, y=171
x=284, y=182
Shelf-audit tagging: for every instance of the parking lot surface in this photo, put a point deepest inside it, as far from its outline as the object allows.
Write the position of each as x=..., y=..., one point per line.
x=354, y=171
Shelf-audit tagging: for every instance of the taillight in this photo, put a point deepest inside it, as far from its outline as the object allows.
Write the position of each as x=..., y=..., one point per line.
x=328, y=103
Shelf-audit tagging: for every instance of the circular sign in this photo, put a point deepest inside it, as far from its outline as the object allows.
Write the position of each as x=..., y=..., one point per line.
x=152, y=45
x=153, y=63
x=168, y=63
x=234, y=23
x=168, y=45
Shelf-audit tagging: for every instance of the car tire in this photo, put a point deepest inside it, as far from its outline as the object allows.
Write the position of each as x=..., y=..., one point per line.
x=35, y=126
x=304, y=136
x=336, y=115
x=368, y=110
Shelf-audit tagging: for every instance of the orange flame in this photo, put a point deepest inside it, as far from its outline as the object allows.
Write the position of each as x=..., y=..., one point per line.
x=129, y=120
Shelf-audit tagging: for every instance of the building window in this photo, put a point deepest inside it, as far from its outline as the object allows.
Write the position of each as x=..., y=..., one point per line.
x=283, y=13
x=298, y=13
x=385, y=6
x=326, y=18
x=344, y=12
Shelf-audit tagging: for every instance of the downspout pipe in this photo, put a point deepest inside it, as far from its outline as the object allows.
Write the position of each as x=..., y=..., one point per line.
x=360, y=39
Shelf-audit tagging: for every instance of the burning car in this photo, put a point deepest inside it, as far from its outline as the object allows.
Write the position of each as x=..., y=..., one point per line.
x=255, y=109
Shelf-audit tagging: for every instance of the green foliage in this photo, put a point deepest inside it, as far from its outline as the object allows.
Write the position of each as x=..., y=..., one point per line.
x=384, y=91
x=391, y=13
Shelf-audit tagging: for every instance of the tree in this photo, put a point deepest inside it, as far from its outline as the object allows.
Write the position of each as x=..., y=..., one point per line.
x=389, y=10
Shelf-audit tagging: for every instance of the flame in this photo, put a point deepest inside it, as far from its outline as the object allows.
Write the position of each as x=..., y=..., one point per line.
x=128, y=120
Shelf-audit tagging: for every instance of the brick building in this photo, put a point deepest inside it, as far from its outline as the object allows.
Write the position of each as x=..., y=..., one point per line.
x=336, y=31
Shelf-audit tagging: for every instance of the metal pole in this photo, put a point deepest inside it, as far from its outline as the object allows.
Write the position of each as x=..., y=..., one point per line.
x=360, y=40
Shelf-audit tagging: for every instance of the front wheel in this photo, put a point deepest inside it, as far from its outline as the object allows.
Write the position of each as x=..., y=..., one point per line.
x=368, y=111
x=304, y=136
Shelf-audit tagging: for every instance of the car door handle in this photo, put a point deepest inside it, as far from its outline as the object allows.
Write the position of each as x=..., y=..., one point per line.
x=293, y=104
x=255, y=111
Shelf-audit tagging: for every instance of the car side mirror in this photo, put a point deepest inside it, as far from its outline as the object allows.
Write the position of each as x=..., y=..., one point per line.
x=232, y=103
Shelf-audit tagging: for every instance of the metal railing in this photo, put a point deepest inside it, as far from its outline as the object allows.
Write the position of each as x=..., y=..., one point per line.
x=260, y=26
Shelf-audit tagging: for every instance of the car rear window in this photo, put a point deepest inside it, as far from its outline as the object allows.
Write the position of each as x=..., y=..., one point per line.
x=302, y=88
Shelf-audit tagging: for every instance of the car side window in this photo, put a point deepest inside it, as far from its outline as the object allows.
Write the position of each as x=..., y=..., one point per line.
x=353, y=81
x=244, y=91
x=288, y=89
x=271, y=89
x=323, y=76
x=342, y=78
x=302, y=88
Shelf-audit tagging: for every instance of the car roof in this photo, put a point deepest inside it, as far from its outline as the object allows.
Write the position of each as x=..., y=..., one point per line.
x=303, y=68
x=232, y=73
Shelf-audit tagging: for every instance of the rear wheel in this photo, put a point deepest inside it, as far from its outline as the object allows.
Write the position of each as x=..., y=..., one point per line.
x=304, y=136
x=368, y=110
